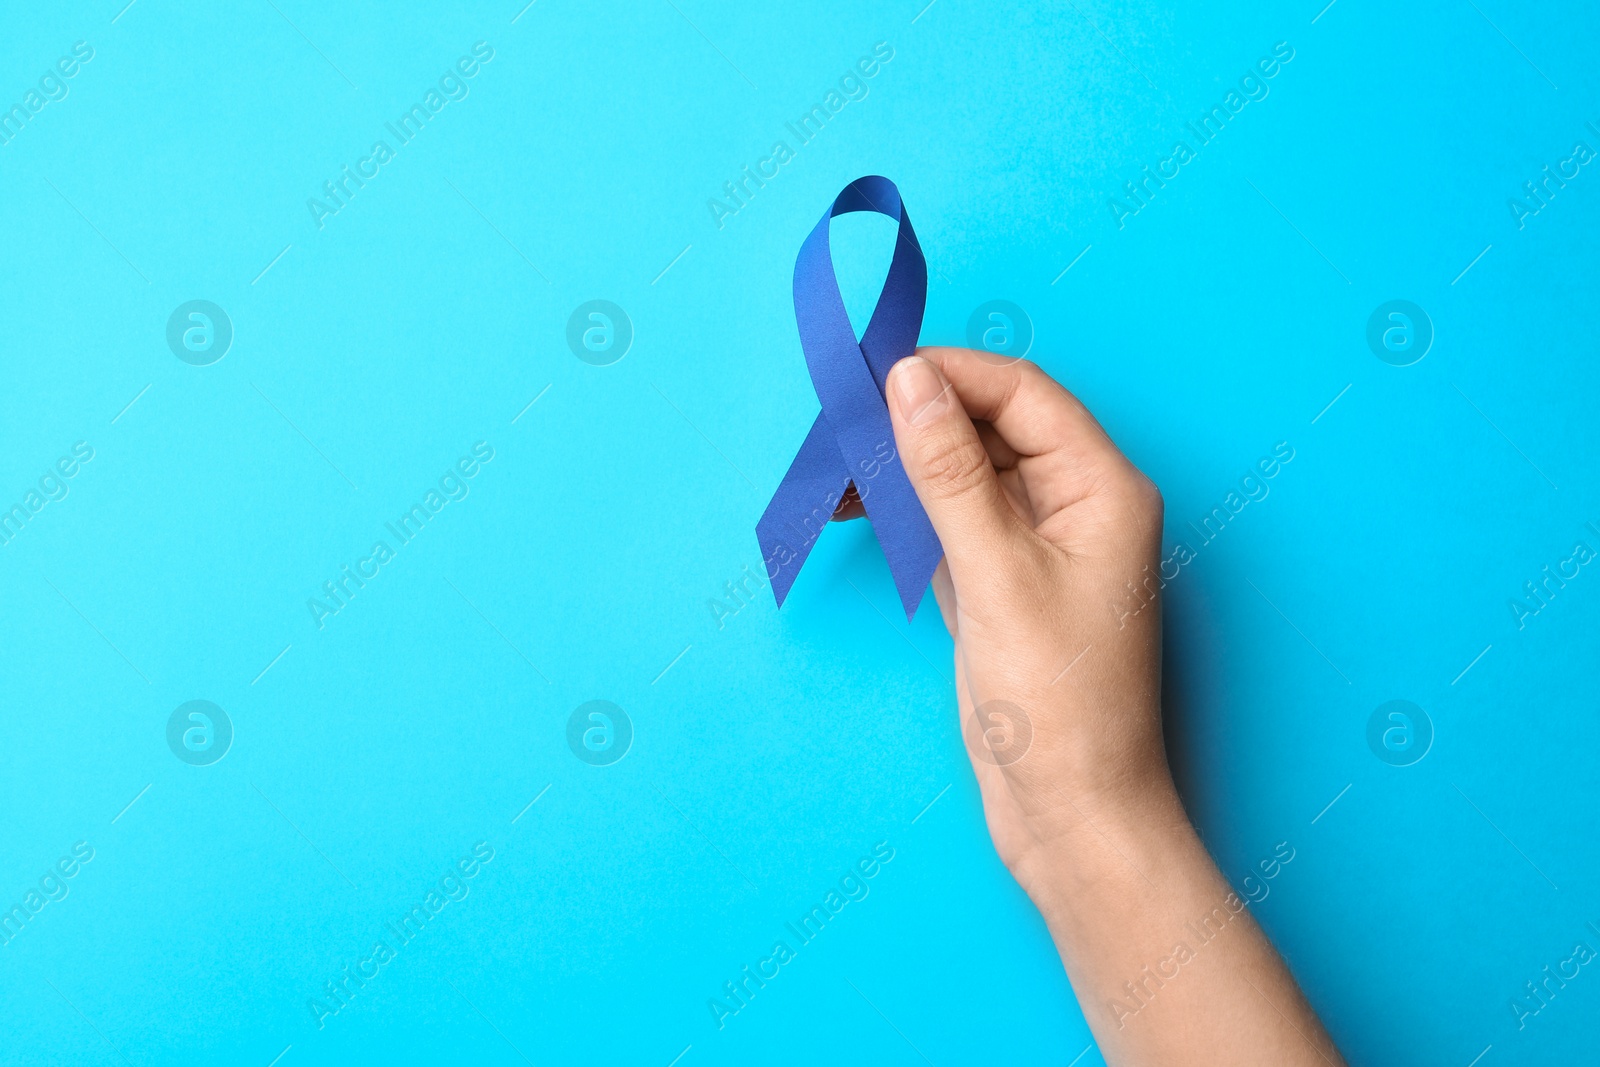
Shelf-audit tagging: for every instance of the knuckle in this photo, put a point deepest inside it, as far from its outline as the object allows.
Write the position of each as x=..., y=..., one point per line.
x=1139, y=502
x=952, y=465
x=1130, y=488
x=1146, y=499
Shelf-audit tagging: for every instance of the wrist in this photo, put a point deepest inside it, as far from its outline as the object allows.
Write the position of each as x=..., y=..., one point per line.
x=1106, y=844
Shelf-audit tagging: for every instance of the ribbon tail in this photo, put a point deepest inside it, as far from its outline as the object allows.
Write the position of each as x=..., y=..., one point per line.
x=802, y=507
x=909, y=544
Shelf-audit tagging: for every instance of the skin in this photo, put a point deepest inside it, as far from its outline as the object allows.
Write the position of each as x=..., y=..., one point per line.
x=1044, y=522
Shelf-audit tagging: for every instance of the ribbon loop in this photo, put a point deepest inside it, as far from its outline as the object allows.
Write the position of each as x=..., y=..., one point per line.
x=852, y=441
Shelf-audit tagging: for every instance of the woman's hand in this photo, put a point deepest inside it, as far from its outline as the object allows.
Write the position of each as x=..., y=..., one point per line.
x=1051, y=540
x=1045, y=525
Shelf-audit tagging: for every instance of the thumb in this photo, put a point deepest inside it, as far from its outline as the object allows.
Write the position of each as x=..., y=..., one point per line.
x=947, y=464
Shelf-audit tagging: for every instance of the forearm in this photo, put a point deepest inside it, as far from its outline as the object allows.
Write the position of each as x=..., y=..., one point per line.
x=1167, y=961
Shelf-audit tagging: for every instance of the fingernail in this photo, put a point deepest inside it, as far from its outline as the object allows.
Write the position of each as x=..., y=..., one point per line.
x=922, y=393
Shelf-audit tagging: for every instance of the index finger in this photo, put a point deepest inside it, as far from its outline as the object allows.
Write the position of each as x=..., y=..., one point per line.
x=1035, y=414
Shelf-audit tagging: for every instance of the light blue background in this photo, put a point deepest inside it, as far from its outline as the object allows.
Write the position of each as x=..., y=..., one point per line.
x=780, y=747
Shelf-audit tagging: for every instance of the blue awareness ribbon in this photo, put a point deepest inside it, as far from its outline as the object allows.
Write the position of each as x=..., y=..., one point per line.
x=852, y=441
